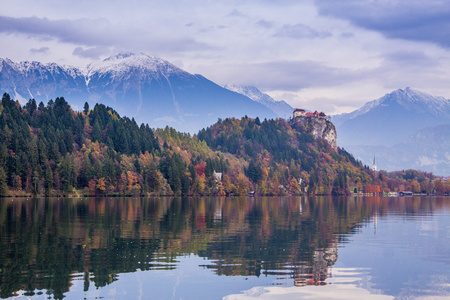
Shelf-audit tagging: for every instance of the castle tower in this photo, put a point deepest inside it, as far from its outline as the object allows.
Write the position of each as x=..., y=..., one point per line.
x=299, y=113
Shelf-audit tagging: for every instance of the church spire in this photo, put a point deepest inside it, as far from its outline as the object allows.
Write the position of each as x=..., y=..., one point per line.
x=374, y=166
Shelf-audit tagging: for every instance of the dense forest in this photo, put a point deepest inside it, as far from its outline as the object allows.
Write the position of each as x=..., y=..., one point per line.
x=55, y=151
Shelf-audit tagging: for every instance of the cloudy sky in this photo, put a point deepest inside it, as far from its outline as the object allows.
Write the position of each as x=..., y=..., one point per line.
x=328, y=55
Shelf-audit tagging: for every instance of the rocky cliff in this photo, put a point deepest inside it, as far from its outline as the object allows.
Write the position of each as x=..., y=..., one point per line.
x=320, y=127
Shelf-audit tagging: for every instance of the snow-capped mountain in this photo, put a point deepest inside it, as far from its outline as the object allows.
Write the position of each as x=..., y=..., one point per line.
x=392, y=118
x=281, y=108
x=404, y=129
x=408, y=98
x=27, y=80
x=147, y=88
x=122, y=63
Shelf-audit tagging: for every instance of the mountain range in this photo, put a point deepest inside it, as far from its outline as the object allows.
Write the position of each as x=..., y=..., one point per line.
x=405, y=129
x=149, y=89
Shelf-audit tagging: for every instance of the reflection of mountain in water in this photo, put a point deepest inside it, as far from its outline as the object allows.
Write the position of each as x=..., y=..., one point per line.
x=47, y=243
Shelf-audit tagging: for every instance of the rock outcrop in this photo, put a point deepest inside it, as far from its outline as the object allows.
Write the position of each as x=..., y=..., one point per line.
x=320, y=127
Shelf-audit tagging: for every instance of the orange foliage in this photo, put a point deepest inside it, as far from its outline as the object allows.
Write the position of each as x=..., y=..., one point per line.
x=101, y=184
x=132, y=180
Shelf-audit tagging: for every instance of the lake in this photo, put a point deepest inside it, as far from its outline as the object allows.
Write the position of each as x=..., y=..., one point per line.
x=231, y=248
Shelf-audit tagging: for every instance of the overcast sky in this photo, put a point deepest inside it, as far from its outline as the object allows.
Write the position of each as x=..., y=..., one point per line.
x=327, y=55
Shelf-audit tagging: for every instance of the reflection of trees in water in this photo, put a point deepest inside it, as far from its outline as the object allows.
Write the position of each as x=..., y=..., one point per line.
x=44, y=241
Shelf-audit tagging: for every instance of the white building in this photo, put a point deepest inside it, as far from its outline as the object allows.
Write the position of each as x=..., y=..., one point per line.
x=374, y=166
x=299, y=112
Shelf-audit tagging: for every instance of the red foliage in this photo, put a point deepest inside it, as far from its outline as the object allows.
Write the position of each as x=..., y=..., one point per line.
x=200, y=169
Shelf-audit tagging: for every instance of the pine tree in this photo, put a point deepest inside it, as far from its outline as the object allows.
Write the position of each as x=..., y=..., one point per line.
x=96, y=132
x=3, y=182
x=48, y=181
x=86, y=108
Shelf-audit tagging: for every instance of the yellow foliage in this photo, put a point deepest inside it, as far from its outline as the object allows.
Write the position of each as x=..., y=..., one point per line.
x=294, y=187
x=101, y=184
x=113, y=115
x=132, y=180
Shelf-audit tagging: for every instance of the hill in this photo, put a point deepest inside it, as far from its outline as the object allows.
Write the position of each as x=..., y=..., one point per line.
x=54, y=150
x=150, y=89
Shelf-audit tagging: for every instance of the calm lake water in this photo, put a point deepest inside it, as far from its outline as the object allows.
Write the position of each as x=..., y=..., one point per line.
x=232, y=248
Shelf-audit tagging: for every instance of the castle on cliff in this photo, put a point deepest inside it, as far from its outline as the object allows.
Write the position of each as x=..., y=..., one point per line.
x=315, y=123
x=298, y=112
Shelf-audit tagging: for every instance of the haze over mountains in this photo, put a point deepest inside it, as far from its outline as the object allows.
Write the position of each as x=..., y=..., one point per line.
x=149, y=89
x=405, y=129
x=281, y=108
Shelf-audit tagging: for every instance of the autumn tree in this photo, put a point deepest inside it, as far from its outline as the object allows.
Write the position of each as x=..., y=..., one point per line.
x=241, y=186
x=439, y=186
x=101, y=186
x=294, y=187
x=415, y=186
x=227, y=185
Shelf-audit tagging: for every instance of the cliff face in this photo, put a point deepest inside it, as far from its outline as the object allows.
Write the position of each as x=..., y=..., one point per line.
x=319, y=127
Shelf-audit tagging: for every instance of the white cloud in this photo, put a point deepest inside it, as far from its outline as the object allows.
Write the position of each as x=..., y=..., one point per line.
x=41, y=50
x=301, y=31
x=91, y=53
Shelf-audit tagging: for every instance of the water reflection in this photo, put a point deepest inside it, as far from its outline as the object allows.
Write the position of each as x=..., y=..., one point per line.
x=344, y=286
x=47, y=244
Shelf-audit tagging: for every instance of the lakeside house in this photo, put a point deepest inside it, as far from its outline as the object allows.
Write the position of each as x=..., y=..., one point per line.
x=406, y=193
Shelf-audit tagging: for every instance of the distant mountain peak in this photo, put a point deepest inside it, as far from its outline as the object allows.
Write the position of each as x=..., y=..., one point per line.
x=31, y=66
x=121, y=56
x=407, y=93
x=281, y=108
x=391, y=118
x=416, y=100
x=250, y=91
x=409, y=98
x=124, y=62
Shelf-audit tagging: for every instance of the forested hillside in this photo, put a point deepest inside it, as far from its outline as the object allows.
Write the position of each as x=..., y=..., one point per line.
x=279, y=156
x=52, y=150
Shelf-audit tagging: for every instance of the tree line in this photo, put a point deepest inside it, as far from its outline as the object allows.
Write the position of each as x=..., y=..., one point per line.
x=50, y=149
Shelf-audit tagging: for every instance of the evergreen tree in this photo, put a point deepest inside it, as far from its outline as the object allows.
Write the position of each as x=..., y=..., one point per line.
x=48, y=181
x=254, y=171
x=96, y=132
x=86, y=108
x=3, y=182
